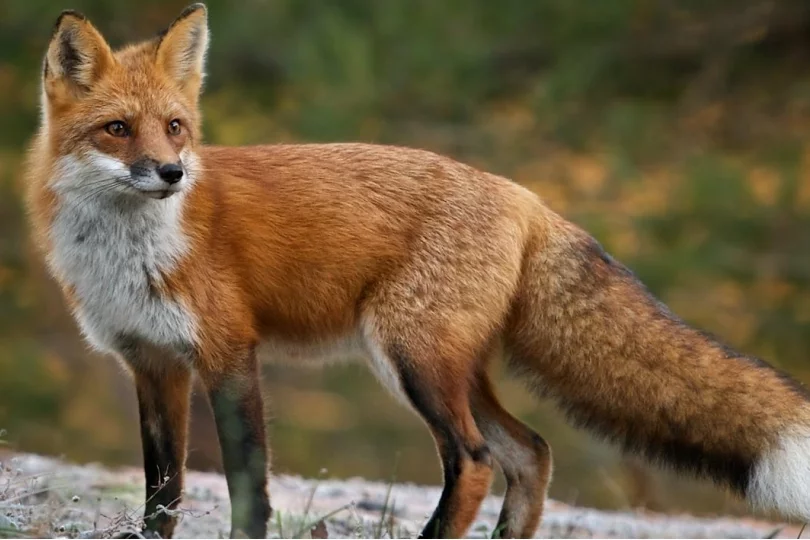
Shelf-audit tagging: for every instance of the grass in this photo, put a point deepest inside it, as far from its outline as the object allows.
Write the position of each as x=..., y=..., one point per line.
x=41, y=505
x=17, y=513
x=47, y=498
x=306, y=527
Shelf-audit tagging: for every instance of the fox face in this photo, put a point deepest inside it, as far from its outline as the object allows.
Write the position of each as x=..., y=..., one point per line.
x=124, y=124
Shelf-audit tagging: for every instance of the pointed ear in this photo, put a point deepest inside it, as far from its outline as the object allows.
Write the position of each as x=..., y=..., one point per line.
x=77, y=54
x=181, y=51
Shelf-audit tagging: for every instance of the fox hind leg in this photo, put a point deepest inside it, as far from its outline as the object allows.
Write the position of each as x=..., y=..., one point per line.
x=441, y=399
x=426, y=325
x=524, y=457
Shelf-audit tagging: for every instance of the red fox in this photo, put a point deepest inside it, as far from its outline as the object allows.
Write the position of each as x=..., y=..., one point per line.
x=178, y=257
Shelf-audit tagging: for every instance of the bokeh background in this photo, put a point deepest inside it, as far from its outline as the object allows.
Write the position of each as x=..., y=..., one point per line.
x=676, y=131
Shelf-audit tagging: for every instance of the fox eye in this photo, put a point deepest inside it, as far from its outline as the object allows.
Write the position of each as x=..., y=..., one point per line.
x=175, y=127
x=117, y=128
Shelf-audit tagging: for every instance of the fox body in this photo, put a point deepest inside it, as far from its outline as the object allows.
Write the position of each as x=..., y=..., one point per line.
x=179, y=257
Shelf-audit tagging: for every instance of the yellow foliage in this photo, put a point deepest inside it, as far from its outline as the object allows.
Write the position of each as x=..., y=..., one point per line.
x=730, y=295
x=801, y=308
x=6, y=277
x=772, y=292
x=803, y=187
x=705, y=118
x=720, y=308
x=543, y=178
x=8, y=80
x=765, y=185
x=588, y=173
x=512, y=116
x=56, y=368
x=625, y=240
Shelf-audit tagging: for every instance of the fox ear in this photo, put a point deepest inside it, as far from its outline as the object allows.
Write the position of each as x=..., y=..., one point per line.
x=77, y=54
x=181, y=51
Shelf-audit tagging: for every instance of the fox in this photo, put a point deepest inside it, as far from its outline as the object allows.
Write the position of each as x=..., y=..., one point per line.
x=181, y=258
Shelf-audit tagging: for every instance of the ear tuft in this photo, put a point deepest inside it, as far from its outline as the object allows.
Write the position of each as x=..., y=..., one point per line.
x=189, y=10
x=68, y=13
x=182, y=48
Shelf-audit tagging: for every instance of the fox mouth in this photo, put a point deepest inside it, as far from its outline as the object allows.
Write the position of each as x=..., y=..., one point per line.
x=158, y=193
x=153, y=191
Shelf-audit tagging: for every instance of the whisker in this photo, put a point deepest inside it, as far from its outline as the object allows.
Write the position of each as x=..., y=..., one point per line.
x=87, y=196
x=97, y=181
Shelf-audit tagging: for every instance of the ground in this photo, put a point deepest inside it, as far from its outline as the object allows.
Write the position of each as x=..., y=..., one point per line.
x=42, y=496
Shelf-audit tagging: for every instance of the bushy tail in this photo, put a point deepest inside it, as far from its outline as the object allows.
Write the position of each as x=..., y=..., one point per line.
x=586, y=332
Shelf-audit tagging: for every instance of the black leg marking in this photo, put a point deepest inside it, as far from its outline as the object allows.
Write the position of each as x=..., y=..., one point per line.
x=240, y=424
x=466, y=460
x=163, y=402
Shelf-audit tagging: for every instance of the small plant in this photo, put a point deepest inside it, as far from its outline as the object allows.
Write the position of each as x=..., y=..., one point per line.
x=385, y=509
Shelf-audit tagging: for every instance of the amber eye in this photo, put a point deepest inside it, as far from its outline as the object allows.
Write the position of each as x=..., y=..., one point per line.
x=174, y=127
x=117, y=128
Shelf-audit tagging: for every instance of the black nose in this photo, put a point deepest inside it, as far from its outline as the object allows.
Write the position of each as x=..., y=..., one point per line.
x=170, y=172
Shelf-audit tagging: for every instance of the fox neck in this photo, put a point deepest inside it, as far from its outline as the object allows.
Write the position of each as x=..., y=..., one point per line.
x=111, y=249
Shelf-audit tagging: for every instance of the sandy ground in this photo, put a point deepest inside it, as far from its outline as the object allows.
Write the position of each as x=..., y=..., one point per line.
x=48, y=497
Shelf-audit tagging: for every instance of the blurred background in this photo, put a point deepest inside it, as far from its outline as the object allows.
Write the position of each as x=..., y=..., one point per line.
x=676, y=131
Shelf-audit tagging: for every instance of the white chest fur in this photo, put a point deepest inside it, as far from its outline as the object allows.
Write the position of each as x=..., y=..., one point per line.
x=112, y=251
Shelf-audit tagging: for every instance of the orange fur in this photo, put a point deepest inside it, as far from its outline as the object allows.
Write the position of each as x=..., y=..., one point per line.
x=426, y=264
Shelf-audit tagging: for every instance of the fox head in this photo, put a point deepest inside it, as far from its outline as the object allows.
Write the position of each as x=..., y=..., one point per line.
x=124, y=123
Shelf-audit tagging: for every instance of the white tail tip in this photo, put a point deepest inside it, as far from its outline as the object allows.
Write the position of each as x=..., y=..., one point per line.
x=781, y=478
